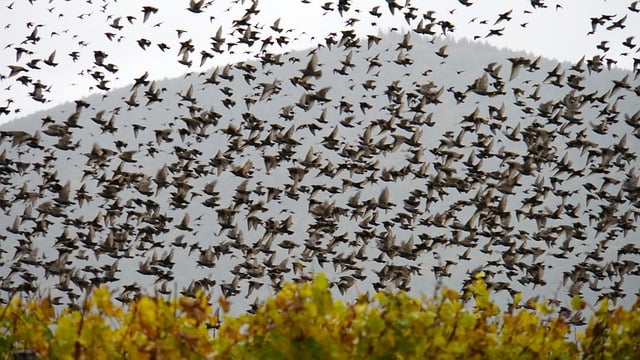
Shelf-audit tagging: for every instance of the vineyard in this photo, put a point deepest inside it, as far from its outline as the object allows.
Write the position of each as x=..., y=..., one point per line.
x=304, y=321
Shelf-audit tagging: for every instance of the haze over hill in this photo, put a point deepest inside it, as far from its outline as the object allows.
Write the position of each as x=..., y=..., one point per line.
x=394, y=163
x=53, y=43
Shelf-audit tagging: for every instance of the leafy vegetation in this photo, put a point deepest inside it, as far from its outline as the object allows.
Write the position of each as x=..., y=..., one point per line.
x=304, y=321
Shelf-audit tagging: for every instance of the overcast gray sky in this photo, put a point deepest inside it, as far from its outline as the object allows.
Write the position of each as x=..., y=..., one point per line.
x=558, y=31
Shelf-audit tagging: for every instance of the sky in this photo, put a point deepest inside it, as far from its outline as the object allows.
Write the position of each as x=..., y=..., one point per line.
x=558, y=31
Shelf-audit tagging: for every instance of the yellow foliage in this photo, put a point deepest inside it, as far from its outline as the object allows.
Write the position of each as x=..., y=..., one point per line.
x=304, y=321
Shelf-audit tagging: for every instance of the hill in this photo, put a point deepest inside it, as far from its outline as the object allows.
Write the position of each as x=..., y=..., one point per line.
x=406, y=163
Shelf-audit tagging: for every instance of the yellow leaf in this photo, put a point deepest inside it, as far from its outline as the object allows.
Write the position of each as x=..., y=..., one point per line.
x=577, y=303
x=517, y=298
x=147, y=311
x=224, y=304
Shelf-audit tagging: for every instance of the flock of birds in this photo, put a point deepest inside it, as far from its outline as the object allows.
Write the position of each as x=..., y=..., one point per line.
x=353, y=158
